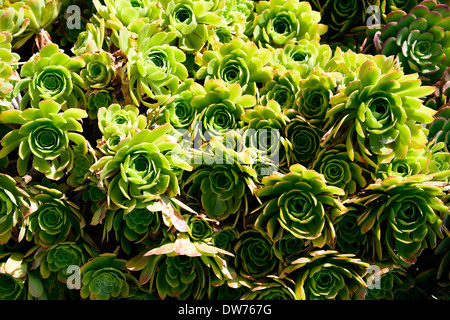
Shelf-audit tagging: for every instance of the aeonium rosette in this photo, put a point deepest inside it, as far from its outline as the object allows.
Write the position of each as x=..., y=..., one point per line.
x=301, y=141
x=8, y=70
x=276, y=289
x=314, y=95
x=126, y=11
x=190, y=20
x=334, y=163
x=182, y=269
x=302, y=203
x=234, y=15
x=115, y=123
x=220, y=109
x=303, y=55
x=328, y=274
x=403, y=216
x=13, y=274
x=282, y=88
x=54, y=220
x=179, y=111
x=344, y=18
x=221, y=180
x=419, y=38
x=105, y=278
x=12, y=205
x=134, y=226
x=98, y=99
x=155, y=69
x=45, y=135
x=238, y=62
x=278, y=21
x=99, y=71
x=139, y=171
x=254, y=255
x=54, y=261
x=52, y=75
x=379, y=113
x=262, y=133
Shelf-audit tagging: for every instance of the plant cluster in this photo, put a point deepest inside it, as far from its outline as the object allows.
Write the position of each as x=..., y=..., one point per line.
x=212, y=149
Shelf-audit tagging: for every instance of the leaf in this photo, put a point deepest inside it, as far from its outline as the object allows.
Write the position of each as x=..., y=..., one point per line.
x=14, y=262
x=35, y=286
x=138, y=262
x=164, y=249
x=183, y=246
x=174, y=216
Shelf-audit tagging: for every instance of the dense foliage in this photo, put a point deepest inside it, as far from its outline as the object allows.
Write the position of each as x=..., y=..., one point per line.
x=212, y=149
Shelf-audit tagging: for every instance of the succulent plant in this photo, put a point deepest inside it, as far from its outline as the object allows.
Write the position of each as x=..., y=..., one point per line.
x=45, y=134
x=224, y=150
x=254, y=255
x=282, y=88
x=181, y=269
x=80, y=169
x=390, y=278
x=393, y=5
x=180, y=112
x=55, y=219
x=136, y=225
x=138, y=171
x=198, y=228
x=52, y=75
x=191, y=20
x=58, y=258
x=98, y=99
x=225, y=238
x=303, y=55
x=343, y=18
x=13, y=274
x=220, y=183
x=302, y=141
x=155, y=68
x=313, y=98
x=380, y=113
x=339, y=171
x=8, y=70
x=118, y=119
x=302, y=203
x=26, y=19
x=419, y=38
x=220, y=108
x=13, y=20
x=440, y=127
x=234, y=14
x=91, y=40
x=328, y=274
x=274, y=290
x=125, y=13
x=263, y=133
x=349, y=238
x=105, y=278
x=404, y=214
x=98, y=72
x=288, y=247
x=237, y=62
x=277, y=22
x=11, y=207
